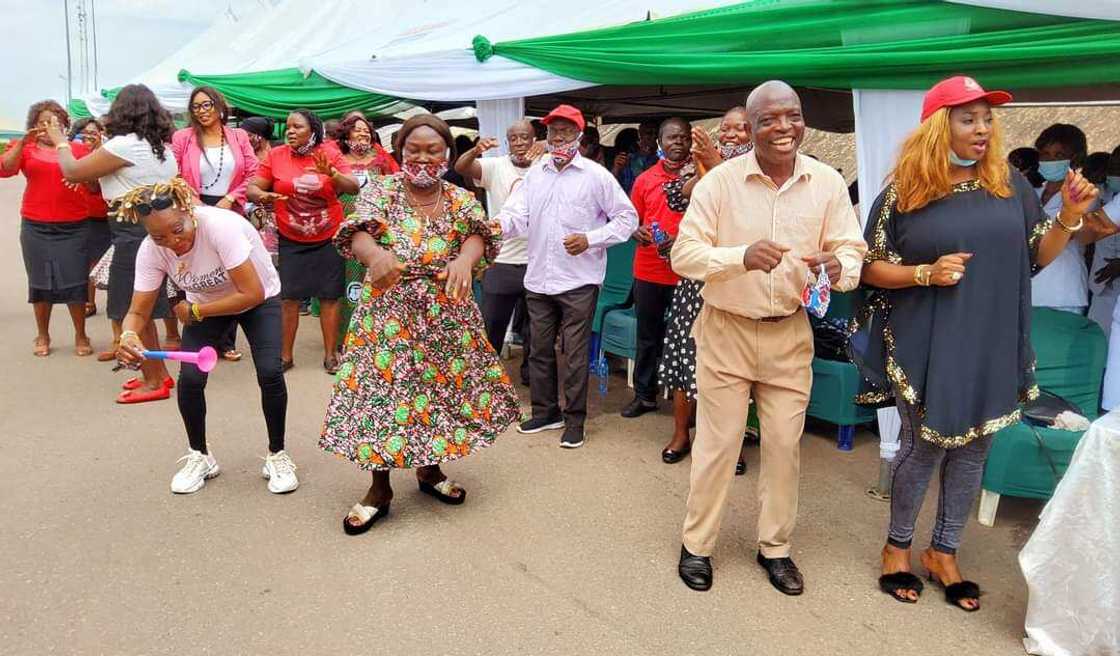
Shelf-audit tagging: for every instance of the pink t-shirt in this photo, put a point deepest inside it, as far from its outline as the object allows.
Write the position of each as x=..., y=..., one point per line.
x=223, y=241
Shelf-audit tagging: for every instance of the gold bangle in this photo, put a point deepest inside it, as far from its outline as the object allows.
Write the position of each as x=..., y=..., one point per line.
x=129, y=333
x=920, y=277
x=196, y=312
x=1070, y=230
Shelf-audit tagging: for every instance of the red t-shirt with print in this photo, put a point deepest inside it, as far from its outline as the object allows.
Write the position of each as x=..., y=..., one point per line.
x=652, y=205
x=310, y=214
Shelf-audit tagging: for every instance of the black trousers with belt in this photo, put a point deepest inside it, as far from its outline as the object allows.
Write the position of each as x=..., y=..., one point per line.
x=569, y=316
x=651, y=304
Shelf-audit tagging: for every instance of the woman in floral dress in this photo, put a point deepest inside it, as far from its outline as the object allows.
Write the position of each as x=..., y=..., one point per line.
x=419, y=384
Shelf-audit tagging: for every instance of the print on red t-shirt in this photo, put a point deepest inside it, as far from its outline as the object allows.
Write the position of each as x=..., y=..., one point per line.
x=312, y=212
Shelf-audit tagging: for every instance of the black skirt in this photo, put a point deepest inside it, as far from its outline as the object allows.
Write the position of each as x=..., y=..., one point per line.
x=127, y=238
x=98, y=239
x=311, y=270
x=55, y=256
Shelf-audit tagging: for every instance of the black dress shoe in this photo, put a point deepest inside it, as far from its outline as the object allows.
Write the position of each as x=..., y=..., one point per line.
x=695, y=571
x=670, y=457
x=638, y=407
x=784, y=575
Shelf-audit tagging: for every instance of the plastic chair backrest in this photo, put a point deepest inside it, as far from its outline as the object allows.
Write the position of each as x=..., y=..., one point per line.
x=618, y=280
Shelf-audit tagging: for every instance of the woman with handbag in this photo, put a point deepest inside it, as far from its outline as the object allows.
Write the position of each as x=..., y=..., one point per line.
x=945, y=333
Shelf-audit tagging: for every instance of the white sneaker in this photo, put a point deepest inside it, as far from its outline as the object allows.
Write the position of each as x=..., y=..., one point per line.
x=281, y=473
x=192, y=477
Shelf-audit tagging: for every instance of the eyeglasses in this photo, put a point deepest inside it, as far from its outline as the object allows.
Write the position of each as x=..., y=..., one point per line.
x=155, y=204
x=204, y=106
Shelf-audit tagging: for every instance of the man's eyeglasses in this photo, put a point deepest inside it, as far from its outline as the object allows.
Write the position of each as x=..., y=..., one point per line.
x=154, y=204
x=204, y=106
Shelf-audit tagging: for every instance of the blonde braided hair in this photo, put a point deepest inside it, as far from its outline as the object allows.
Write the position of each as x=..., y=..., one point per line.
x=182, y=198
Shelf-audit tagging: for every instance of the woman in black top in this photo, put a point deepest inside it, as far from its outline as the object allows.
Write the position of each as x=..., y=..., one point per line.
x=946, y=332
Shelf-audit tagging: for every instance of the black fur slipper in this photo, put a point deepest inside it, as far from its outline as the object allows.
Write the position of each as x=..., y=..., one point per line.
x=894, y=583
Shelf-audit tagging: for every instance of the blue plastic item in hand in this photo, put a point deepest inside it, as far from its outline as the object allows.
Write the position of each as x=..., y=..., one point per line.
x=659, y=235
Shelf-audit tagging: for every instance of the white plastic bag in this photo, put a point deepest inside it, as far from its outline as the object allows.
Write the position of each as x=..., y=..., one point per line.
x=1072, y=561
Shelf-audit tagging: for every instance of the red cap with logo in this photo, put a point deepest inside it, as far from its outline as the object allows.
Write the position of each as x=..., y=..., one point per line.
x=957, y=91
x=566, y=112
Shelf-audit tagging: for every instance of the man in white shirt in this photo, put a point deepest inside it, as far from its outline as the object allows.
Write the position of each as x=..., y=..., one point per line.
x=571, y=210
x=503, y=287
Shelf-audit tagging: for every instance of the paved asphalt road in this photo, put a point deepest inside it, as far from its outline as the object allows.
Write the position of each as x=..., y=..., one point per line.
x=555, y=552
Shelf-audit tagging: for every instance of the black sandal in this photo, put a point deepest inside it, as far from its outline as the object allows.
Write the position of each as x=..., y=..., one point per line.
x=955, y=593
x=369, y=516
x=740, y=466
x=896, y=582
x=443, y=491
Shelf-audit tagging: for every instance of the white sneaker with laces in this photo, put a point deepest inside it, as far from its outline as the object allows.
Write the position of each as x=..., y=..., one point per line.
x=281, y=473
x=192, y=477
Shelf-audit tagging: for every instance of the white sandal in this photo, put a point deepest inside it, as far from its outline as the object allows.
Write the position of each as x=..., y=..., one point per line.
x=369, y=516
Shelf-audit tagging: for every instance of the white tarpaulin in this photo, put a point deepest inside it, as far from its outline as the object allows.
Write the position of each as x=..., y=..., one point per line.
x=417, y=58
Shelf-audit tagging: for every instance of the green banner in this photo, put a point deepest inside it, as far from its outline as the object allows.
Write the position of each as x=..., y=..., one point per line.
x=838, y=44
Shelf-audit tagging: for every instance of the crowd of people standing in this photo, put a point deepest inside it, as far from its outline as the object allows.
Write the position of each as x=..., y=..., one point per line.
x=734, y=232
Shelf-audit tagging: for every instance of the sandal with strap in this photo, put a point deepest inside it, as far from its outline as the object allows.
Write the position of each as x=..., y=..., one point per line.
x=955, y=593
x=111, y=354
x=369, y=516
x=232, y=355
x=42, y=347
x=83, y=349
x=444, y=490
x=897, y=582
x=91, y=309
x=144, y=395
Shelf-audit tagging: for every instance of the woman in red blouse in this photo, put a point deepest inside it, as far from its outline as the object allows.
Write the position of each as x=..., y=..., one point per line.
x=53, y=233
x=91, y=133
x=302, y=180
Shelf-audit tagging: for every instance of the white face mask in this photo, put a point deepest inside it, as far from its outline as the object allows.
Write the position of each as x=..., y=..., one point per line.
x=956, y=160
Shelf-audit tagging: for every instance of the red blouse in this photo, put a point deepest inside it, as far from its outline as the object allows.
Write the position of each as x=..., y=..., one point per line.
x=46, y=198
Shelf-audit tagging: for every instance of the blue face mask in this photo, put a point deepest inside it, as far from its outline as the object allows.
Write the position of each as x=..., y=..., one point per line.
x=1113, y=183
x=1054, y=171
x=955, y=160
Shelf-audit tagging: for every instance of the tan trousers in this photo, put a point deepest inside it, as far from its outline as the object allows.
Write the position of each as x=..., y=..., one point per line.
x=738, y=359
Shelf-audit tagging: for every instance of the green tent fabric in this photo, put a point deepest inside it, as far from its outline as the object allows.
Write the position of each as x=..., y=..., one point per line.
x=276, y=93
x=841, y=44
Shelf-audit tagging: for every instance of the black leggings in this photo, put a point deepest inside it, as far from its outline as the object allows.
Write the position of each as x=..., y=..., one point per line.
x=262, y=329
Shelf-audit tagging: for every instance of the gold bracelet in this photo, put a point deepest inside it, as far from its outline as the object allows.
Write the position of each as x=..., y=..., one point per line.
x=129, y=333
x=64, y=144
x=196, y=312
x=1070, y=230
x=920, y=277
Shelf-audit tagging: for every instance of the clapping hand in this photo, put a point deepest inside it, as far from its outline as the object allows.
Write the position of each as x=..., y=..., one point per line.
x=704, y=150
x=322, y=166
x=54, y=132
x=1078, y=194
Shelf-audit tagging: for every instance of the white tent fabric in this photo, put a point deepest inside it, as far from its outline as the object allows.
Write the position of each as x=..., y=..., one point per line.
x=1100, y=9
x=435, y=62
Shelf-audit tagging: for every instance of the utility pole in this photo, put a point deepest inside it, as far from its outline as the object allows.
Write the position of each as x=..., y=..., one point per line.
x=93, y=30
x=69, y=70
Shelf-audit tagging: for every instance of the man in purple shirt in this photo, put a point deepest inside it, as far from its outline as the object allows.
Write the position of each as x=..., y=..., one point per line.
x=571, y=209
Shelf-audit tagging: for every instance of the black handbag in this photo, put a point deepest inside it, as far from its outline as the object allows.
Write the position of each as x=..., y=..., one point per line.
x=1046, y=408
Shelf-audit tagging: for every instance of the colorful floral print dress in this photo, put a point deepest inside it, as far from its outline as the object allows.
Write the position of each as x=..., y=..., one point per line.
x=418, y=384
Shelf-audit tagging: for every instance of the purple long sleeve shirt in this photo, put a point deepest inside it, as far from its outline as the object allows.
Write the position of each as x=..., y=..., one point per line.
x=548, y=205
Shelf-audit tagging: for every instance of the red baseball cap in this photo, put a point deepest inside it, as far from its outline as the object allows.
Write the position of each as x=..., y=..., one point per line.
x=566, y=112
x=957, y=91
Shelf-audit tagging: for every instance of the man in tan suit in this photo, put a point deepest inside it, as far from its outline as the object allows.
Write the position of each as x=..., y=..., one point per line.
x=755, y=227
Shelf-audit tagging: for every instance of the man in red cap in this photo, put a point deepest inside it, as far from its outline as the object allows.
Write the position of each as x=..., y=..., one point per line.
x=571, y=209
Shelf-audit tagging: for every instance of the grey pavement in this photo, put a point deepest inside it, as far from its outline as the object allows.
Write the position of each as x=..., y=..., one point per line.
x=555, y=552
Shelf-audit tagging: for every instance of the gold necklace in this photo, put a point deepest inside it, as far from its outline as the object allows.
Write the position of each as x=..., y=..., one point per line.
x=421, y=207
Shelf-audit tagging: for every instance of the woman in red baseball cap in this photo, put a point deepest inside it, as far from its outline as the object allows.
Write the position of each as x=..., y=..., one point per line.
x=945, y=333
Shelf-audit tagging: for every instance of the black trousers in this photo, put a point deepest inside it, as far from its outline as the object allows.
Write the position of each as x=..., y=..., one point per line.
x=651, y=304
x=229, y=340
x=568, y=316
x=261, y=326
x=503, y=293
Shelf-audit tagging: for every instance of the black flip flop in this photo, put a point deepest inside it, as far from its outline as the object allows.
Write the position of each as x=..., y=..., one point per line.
x=442, y=490
x=373, y=513
x=893, y=583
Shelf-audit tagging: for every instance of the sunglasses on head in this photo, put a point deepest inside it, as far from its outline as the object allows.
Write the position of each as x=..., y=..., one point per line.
x=154, y=204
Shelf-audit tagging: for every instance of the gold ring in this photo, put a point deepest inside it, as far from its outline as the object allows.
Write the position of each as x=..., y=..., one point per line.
x=957, y=275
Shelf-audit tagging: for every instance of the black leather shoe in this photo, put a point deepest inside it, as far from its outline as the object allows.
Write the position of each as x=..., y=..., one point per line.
x=638, y=407
x=695, y=571
x=784, y=575
x=670, y=457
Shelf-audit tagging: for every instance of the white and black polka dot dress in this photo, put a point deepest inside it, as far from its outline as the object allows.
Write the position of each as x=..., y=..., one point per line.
x=678, y=363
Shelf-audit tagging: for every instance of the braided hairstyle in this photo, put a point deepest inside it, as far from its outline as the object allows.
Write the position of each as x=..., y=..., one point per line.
x=177, y=188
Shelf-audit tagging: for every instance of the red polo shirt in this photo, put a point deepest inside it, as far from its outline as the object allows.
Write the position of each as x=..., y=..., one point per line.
x=650, y=202
x=46, y=198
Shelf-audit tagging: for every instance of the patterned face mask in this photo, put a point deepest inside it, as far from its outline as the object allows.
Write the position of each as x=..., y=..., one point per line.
x=305, y=149
x=564, y=153
x=817, y=294
x=732, y=150
x=424, y=175
x=359, y=148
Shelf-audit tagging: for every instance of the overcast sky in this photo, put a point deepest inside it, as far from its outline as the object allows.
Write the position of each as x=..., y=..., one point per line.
x=132, y=36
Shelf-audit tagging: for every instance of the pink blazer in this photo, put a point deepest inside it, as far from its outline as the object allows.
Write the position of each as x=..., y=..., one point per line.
x=188, y=152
